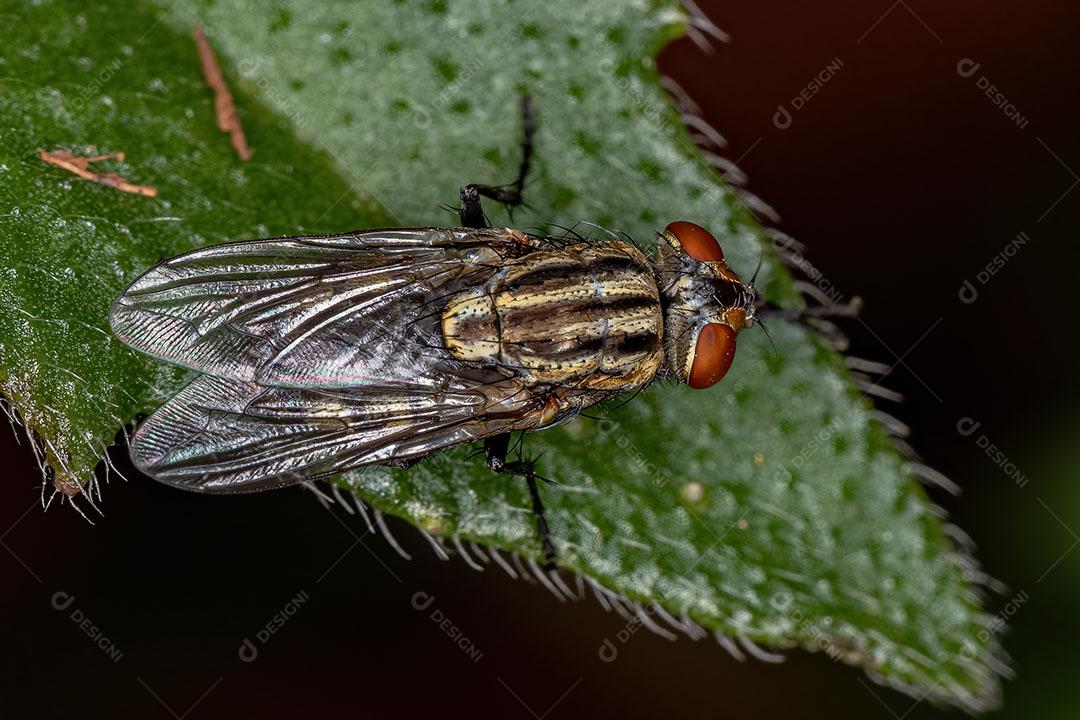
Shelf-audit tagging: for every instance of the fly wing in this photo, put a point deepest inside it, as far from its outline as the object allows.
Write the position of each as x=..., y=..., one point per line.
x=223, y=435
x=324, y=311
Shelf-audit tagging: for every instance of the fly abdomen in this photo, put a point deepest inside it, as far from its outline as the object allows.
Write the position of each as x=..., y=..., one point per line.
x=587, y=315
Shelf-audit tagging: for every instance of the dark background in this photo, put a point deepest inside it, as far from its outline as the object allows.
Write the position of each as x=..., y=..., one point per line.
x=904, y=179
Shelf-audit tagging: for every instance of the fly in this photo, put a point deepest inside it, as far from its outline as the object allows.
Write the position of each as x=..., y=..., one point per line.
x=327, y=353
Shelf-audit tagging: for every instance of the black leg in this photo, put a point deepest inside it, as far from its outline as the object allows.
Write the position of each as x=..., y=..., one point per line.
x=495, y=449
x=471, y=213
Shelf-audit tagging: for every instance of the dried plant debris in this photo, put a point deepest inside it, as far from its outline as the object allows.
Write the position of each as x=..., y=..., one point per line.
x=228, y=119
x=81, y=166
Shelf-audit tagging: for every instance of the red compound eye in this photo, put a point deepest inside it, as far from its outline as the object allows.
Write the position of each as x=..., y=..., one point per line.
x=713, y=355
x=696, y=241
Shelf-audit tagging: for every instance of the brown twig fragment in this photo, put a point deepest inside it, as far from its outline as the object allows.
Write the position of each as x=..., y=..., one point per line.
x=227, y=117
x=81, y=167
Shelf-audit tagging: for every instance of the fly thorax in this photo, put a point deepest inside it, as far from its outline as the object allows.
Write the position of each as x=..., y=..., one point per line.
x=584, y=316
x=470, y=327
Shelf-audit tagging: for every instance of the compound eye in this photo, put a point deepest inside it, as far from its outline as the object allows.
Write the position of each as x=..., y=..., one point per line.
x=696, y=241
x=713, y=355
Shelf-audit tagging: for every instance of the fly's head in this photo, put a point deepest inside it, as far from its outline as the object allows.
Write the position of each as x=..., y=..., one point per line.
x=705, y=304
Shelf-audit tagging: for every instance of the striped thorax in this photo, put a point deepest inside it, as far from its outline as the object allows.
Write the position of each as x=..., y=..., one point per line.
x=586, y=316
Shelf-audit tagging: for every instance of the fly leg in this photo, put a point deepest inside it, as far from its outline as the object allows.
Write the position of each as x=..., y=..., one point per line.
x=495, y=449
x=471, y=213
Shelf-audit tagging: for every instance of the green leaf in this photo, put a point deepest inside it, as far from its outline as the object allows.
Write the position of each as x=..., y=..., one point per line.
x=74, y=76
x=771, y=508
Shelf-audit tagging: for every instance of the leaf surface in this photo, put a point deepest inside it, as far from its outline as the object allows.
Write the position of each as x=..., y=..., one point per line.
x=771, y=508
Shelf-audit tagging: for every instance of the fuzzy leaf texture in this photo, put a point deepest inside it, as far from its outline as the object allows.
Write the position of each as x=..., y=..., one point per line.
x=771, y=508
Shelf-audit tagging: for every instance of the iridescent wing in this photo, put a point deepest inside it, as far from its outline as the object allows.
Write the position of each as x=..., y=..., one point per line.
x=325, y=311
x=224, y=435
x=320, y=354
